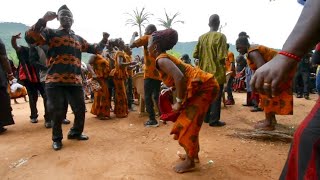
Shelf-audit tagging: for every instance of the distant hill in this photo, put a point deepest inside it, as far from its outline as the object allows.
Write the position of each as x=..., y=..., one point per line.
x=186, y=48
x=8, y=29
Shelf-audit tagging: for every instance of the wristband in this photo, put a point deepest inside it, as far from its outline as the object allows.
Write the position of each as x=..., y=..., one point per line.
x=179, y=100
x=292, y=56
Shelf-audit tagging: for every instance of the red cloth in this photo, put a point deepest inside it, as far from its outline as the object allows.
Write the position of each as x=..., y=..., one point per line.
x=318, y=47
x=165, y=106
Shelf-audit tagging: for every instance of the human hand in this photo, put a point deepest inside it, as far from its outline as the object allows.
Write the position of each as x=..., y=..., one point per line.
x=268, y=77
x=135, y=34
x=49, y=16
x=17, y=36
x=176, y=106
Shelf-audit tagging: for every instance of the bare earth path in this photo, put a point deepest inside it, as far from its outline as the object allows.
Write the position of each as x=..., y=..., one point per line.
x=124, y=149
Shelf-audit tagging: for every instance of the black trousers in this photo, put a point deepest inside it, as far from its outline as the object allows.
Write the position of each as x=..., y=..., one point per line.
x=111, y=88
x=58, y=98
x=5, y=110
x=151, y=91
x=130, y=92
x=302, y=80
x=214, y=111
x=229, y=88
x=33, y=89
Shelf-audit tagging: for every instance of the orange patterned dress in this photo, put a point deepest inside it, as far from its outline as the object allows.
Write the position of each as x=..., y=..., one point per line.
x=101, y=103
x=283, y=103
x=150, y=70
x=202, y=89
x=120, y=75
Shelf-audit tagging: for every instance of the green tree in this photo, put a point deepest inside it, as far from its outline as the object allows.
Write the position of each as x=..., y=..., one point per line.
x=138, y=18
x=168, y=22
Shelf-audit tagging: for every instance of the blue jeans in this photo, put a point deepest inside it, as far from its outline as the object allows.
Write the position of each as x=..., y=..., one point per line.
x=318, y=82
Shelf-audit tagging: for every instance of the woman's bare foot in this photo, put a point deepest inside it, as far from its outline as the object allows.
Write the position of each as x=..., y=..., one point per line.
x=184, y=156
x=185, y=166
x=266, y=125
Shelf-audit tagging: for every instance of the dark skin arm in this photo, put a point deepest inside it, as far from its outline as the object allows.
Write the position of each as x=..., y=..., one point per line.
x=90, y=64
x=14, y=41
x=303, y=37
x=257, y=58
x=167, y=66
x=134, y=35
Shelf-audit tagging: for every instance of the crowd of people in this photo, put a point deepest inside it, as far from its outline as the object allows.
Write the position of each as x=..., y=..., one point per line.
x=51, y=65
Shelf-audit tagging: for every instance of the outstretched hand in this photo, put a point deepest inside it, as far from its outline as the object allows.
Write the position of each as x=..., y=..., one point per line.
x=267, y=78
x=17, y=36
x=49, y=16
x=135, y=34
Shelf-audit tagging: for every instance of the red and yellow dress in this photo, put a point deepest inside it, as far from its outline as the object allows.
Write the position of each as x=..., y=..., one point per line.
x=101, y=104
x=202, y=89
x=283, y=103
x=120, y=75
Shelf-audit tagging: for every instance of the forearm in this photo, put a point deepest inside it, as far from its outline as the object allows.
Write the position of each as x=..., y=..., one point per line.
x=180, y=87
x=132, y=41
x=305, y=34
x=33, y=35
x=90, y=69
x=14, y=43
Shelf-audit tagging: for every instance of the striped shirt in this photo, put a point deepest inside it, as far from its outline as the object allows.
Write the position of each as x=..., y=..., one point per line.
x=64, y=53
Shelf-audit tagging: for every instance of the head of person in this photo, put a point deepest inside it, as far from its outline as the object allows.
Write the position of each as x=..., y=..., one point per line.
x=214, y=22
x=127, y=49
x=185, y=58
x=162, y=41
x=120, y=44
x=65, y=17
x=150, y=29
x=242, y=43
x=137, y=58
x=196, y=62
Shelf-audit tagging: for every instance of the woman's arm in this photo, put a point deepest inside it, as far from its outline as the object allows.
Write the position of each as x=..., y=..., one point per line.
x=171, y=69
x=257, y=58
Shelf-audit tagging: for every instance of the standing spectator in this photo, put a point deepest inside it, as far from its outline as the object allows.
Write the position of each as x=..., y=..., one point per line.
x=151, y=75
x=29, y=75
x=302, y=77
x=230, y=68
x=186, y=59
x=316, y=60
x=5, y=74
x=211, y=50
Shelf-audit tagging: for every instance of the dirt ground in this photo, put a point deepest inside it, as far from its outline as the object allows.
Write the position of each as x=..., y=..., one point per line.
x=124, y=149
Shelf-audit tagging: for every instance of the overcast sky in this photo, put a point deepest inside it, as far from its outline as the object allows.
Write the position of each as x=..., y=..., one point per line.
x=267, y=23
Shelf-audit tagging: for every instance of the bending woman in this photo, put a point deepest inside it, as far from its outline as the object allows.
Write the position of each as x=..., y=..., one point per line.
x=195, y=88
x=282, y=104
